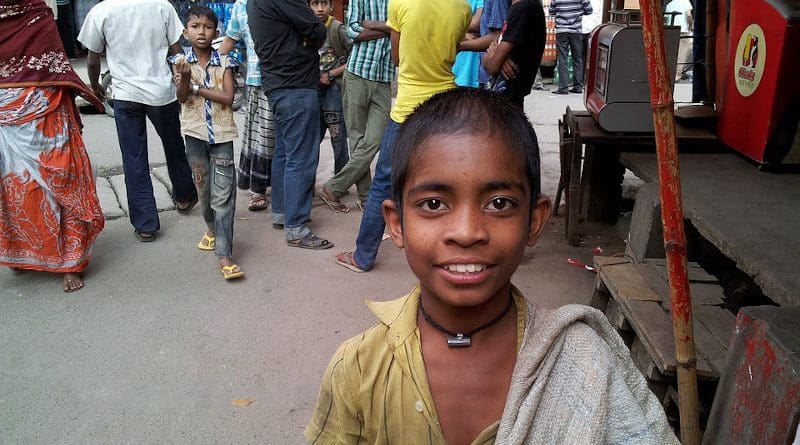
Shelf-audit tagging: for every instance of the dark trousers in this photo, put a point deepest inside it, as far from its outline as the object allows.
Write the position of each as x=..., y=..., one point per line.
x=567, y=42
x=332, y=120
x=132, y=134
x=66, y=28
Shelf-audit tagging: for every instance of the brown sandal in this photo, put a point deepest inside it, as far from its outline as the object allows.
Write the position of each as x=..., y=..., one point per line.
x=332, y=201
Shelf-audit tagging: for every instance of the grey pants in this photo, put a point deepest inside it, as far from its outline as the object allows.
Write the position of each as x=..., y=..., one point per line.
x=366, y=109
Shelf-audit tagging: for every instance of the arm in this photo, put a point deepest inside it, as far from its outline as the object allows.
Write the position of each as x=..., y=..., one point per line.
x=395, y=36
x=479, y=44
x=305, y=22
x=175, y=48
x=475, y=23
x=376, y=25
x=93, y=69
x=370, y=34
x=183, y=75
x=227, y=45
x=224, y=97
x=496, y=56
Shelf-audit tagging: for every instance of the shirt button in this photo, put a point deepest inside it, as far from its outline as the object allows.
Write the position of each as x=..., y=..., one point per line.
x=419, y=406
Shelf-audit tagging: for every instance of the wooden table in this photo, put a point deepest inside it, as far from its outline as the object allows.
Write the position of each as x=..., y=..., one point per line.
x=593, y=190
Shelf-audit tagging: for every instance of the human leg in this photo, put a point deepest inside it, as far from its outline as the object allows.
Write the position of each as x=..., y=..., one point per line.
x=332, y=116
x=166, y=121
x=377, y=120
x=297, y=152
x=562, y=57
x=129, y=118
x=222, y=186
x=258, y=144
x=370, y=233
x=361, y=128
x=576, y=47
x=198, y=154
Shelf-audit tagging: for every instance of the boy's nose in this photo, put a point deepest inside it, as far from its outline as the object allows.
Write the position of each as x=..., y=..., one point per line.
x=467, y=227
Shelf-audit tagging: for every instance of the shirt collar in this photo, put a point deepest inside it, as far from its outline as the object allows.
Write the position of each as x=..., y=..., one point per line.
x=215, y=60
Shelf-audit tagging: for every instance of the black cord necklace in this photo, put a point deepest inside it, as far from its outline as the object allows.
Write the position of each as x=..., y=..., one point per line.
x=462, y=339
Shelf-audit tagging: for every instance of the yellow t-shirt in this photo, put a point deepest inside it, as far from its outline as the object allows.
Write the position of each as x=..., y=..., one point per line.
x=429, y=33
x=375, y=389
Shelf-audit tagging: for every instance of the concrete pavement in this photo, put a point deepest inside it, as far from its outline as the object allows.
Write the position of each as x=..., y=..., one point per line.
x=157, y=347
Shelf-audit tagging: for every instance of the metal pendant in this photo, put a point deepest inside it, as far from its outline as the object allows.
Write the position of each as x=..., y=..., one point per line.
x=459, y=341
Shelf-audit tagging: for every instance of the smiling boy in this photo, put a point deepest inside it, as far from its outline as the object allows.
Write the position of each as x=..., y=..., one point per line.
x=464, y=358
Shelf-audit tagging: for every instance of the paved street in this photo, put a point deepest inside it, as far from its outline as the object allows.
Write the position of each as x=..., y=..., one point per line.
x=157, y=347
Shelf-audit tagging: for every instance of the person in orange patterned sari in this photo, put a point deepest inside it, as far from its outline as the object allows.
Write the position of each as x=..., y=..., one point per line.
x=49, y=212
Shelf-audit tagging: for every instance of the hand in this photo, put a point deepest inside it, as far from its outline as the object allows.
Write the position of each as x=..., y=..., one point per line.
x=183, y=67
x=509, y=69
x=176, y=78
x=324, y=79
x=99, y=91
x=491, y=48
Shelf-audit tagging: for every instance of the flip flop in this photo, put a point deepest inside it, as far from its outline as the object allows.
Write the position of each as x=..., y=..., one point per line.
x=145, y=237
x=185, y=207
x=310, y=241
x=257, y=202
x=207, y=243
x=347, y=259
x=231, y=272
x=333, y=203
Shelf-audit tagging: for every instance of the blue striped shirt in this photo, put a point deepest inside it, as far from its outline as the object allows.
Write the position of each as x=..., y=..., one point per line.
x=372, y=59
x=568, y=14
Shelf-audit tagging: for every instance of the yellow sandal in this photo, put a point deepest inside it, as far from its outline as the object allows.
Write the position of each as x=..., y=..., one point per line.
x=207, y=243
x=231, y=272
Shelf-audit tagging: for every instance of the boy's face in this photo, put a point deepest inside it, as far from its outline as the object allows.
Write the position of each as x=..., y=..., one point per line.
x=200, y=31
x=466, y=218
x=322, y=9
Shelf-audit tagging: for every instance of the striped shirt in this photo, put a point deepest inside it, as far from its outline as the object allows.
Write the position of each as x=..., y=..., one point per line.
x=239, y=30
x=568, y=14
x=202, y=118
x=375, y=389
x=371, y=60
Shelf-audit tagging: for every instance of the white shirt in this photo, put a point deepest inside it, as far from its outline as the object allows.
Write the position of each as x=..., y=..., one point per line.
x=681, y=7
x=590, y=22
x=136, y=35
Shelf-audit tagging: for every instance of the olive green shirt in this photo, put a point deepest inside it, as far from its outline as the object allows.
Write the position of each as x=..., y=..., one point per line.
x=375, y=389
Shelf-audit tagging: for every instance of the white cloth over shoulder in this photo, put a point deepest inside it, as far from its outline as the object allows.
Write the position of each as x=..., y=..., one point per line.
x=575, y=382
x=136, y=35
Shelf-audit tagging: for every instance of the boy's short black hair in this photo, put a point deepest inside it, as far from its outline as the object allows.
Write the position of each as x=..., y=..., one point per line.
x=202, y=11
x=466, y=111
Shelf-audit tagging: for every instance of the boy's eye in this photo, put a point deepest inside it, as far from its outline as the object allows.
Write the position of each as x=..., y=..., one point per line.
x=500, y=203
x=432, y=205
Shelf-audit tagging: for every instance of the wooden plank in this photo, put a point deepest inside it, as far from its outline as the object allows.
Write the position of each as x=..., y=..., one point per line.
x=709, y=294
x=703, y=292
x=625, y=282
x=654, y=327
x=719, y=322
x=696, y=273
x=655, y=281
x=643, y=361
x=616, y=317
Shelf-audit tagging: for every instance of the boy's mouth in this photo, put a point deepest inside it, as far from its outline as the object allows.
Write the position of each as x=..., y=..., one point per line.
x=465, y=268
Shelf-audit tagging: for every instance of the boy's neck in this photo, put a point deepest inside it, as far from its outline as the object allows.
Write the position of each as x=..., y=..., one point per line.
x=465, y=319
x=203, y=54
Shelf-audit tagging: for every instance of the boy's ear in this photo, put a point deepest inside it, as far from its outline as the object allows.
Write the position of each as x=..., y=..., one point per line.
x=392, y=217
x=540, y=215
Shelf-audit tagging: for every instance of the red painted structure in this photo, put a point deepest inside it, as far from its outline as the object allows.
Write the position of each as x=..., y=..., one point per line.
x=758, y=79
x=758, y=396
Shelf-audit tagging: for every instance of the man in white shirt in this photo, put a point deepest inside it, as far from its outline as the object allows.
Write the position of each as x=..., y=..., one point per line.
x=683, y=10
x=588, y=24
x=137, y=36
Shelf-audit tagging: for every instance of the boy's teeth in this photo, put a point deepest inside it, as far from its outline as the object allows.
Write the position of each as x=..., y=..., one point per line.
x=464, y=268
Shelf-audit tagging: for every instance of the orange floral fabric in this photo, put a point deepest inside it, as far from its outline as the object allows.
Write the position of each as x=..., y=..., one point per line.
x=49, y=212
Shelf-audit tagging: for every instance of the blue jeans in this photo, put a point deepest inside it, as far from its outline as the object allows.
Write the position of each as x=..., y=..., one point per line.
x=370, y=234
x=294, y=165
x=332, y=119
x=214, y=175
x=129, y=118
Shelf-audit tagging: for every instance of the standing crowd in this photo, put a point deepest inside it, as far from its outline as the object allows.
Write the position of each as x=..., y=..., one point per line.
x=306, y=74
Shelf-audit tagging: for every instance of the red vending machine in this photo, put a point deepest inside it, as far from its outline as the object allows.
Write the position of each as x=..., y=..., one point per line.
x=760, y=102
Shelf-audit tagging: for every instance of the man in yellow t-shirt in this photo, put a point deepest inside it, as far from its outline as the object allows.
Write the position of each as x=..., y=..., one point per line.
x=424, y=38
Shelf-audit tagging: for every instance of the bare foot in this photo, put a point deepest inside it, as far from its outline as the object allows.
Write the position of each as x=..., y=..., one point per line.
x=72, y=282
x=17, y=269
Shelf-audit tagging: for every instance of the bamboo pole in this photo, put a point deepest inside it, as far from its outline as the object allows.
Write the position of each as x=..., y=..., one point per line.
x=672, y=217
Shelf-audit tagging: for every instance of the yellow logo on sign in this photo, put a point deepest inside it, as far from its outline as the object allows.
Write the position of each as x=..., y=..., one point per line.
x=749, y=60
